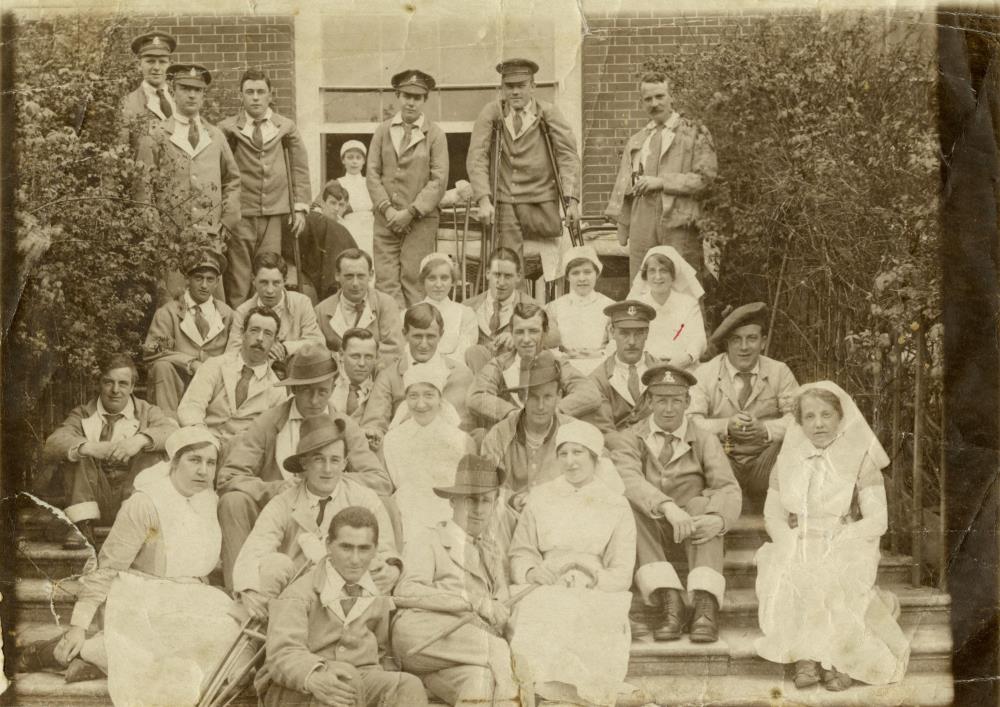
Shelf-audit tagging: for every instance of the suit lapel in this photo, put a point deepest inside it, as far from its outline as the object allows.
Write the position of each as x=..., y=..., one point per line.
x=726, y=384
x=230, y=377
x=301, y=512
x=187, y=325
x=92, y=425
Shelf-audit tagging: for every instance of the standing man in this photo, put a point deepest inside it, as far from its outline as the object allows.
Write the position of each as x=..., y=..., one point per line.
x=664, y=168
x=151, y=102
x=407, y=176
x=186, y=332
x=267, y=148
x=526, y=204
x=358, y=360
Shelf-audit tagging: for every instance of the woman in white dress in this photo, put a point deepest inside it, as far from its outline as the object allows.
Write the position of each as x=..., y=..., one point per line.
x=360, y=221
x=667, y=283
x=437, y=276
x=422, y=448
x=580, y=312
x=576, y=538
x=164, y=627
x=819, y=606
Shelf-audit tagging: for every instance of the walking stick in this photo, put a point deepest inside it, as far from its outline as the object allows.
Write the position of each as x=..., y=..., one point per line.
x=465, y=238
x=574, y=232
x=296, y=252
x=469, y=619
x=486, y=247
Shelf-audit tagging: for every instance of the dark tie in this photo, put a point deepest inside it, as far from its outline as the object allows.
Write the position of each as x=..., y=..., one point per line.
x=201, y=323
x=164, y=103
x=653, y=158
x=518, y=122
x=193, y=134
x=495, y=319
x=667, y=453
x=353, y=591
x=747, y=378
x=322, y=510
x=108, y=429
x=633, y=384
x=407, y=135
x=352, y=399
x=243, y=386
x=258, y=136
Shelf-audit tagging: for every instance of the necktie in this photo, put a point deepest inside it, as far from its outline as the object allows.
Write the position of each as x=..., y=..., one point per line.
x=322, y=510
x=747, y=378
x=352, y=399
x=201, y=323
x=353, y=591
x=667, y=453
x=108, y=428
x=243, y=386
x=653, y=158
x=633, y=384
x=164, y=103
x=193, y=134
x=360, y=309
x=495, y=319
x=518, y=122
x=258, y=137
x=407, y=134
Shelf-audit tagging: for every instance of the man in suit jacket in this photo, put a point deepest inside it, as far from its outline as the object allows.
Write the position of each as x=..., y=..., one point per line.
x=745, y=398
x=252, y=472
x=619, y=378
x=359, y=306
x=328, y=632
x=231, y=391
x=358, y=362
x=684, y=497
x=186, y=332
x=527, y=204
x=664, y=168
x=298, y=320
x=151, y=102
x=103, y=444
x=407, y=176
x=453, y=570
x=270, y=206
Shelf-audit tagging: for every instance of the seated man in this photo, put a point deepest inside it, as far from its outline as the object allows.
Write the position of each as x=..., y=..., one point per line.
x=324, y=238
x=422, y=328
x=231, y=391
x=495, y=307
x=298, y=321
x=358, y=361
x=296, y=521
x=684, y=497
x=619, y=378
x=253, y=472
x=745, y=398
x=328, y=631
x=185, y=332
x=451, y=571
x=103, y=444
x=359, y=305
x=496, y=391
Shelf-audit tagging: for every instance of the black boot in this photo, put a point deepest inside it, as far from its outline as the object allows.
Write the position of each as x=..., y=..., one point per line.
x=704, y=623
x=38, y=656
x=80, y=670
x=671, y=607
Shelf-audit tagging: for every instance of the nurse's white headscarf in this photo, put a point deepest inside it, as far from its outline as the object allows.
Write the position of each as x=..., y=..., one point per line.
x=685, y=278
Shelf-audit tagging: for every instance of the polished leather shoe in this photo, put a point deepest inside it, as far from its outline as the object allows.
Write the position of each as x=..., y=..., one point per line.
x=704, y=624
x=671, y=607
x=80, y=670
x=38, y=656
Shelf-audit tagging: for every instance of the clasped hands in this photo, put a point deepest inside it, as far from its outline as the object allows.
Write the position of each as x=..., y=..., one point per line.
x=398, y=220
x=745, y=428
x=334, y=684
x=700, y=529
x=568, y=574
x=119, y=452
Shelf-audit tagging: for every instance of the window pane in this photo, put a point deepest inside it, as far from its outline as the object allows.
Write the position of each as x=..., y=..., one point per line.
x=465, y=104
x=352, y=106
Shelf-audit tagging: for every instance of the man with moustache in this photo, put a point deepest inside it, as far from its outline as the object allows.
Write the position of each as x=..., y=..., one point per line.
x=262, y=141
x=151, y=102
x=665, y=167
x=186, y=332
x=358, y=361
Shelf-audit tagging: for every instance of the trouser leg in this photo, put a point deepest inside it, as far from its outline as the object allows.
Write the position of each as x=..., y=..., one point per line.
x=94, y=493
x=416, y=245
x=654, y=569
x=237, y=514
x=686, y=241
x=388, y=270
x=383, y=688
x=166, y=384
x=508, y=231
x=754, y=473
x=239, y=253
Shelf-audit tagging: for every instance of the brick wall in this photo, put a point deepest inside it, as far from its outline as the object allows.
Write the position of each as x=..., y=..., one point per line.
x=229, y=44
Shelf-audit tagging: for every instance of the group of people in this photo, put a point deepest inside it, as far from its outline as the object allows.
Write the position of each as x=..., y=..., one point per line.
x=479, y=499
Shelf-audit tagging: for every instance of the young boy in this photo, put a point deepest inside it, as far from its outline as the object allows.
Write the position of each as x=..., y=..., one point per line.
x=324, y=238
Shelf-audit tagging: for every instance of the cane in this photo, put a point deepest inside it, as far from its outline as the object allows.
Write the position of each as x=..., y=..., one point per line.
x=296, y=252
x=465, y=238
x=574, y=234
x=487, y=247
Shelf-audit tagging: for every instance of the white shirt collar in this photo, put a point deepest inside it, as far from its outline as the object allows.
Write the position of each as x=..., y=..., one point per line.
x=529, y=111
x=281, y=303
x=259, y=371
x=334, y=589
x=127, y=412
x=207, y=307
x=150, y=90
x=397, y=120
x=640, y=366
x=755, y=371
x=680, y=433
x=184, y=120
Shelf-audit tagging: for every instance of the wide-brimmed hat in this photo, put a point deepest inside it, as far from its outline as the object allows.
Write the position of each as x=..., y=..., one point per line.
x=187, y=436
x=542, y=369
x=474, y=476
x=314, y=433
x=312, y=364
x=752, y=313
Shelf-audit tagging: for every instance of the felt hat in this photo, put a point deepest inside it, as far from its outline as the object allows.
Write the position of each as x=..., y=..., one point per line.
x=542, y=369
x=314, y=433
x=413, y=81
x=474, y=476
x=187, y=436
x=517, y=69
x=664, y=378
x=313, y=363
x=630, y=314
x=153, y=44
x=189, y=75
x=752, y=313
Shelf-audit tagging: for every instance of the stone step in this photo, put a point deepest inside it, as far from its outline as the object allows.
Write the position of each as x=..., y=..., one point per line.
x=747, y=533
x=42, y=600
x=49, y=560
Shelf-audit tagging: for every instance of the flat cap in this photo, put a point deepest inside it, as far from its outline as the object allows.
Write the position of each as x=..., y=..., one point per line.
x=413, y=81
x=631, y=314
x=753, y=313
x=517, y=67
x=664, y=378
x=189, y=75
x=153, y=44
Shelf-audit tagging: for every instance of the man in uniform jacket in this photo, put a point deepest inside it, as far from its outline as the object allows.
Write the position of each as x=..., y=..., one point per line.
x=151, y=101
x=745, y=398
x=103, y=444
x=270, y=206
x=684, y=497
x=527, y=199
x=664, y=168
x=619, y=378
x=358, y=366
x=407, y=176
x=186, y=332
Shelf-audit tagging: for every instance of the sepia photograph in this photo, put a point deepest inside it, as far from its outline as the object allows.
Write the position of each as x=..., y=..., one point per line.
x=479, y=352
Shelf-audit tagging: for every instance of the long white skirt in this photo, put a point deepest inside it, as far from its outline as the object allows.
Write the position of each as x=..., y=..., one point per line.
x=163, y=639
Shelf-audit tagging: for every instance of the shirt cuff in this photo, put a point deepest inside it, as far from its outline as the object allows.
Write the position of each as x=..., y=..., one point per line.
x=313, y=670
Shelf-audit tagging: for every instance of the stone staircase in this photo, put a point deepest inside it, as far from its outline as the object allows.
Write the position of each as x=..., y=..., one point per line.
x=727, y=672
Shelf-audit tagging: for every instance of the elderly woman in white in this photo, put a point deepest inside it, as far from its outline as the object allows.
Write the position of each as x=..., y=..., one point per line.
x=437, y=276
x=819, y=606
x=576, y=538
x=422, y=448
x=580, y=312
x=164, y=627
x=360, y=221
x=667, y=283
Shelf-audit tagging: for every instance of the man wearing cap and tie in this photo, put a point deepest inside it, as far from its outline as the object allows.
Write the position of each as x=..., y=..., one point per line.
x=619, y=378
x=664, y=168
x=151, y=101
x=526, y=204
x=744, y=398
x=253, y=472
x=231, y=391
x=407, y=176
x=684, y=497
x=453, y=570
x=186, y=331
x=270, y=207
